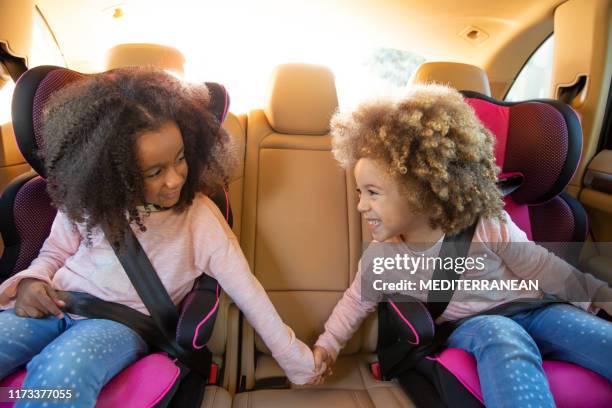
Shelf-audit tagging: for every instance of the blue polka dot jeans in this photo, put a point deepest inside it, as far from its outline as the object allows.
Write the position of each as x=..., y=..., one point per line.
x=509, y=351
x=81, y=355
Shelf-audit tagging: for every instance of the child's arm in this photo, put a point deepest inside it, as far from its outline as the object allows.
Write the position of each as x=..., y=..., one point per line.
x=554, y=276
x=218, y=252
x=345, y=319
x=63, y=241
x=231, y=270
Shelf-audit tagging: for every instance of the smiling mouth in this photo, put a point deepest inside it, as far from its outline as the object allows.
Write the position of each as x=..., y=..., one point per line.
x=172, y=195
x=373, y=223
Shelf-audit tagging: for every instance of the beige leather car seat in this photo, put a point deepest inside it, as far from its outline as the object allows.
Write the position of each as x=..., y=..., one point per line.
x=140, y=54
x=454, y=74
x=302, y=234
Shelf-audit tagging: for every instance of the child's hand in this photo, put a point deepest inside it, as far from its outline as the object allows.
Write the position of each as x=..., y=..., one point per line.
x=603, y=299
x=323, y=362
x=606, y=306
x=36, y=298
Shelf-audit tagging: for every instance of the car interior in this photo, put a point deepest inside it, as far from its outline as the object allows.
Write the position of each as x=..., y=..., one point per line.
x=287, y=69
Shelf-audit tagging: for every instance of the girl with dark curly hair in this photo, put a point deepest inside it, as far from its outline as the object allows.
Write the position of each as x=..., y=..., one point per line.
x=131, y=148
x=424, y=168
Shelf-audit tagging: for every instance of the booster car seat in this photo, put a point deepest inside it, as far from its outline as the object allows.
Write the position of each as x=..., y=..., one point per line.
x=538, y=149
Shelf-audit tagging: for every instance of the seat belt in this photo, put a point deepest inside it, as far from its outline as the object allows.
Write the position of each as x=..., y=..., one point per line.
x=158, y=329
x=147, y=283
x=455, y=246
x=396, y=356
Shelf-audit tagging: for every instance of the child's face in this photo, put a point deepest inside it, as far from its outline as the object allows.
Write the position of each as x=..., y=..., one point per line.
x=162, y=161
x=387, y=213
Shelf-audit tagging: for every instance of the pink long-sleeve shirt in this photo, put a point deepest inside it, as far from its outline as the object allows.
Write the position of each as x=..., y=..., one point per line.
x=180, y=247
x=510, y=255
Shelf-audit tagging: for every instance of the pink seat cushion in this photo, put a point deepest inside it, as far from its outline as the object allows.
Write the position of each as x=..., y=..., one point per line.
x=571, y=385
x=143, y=384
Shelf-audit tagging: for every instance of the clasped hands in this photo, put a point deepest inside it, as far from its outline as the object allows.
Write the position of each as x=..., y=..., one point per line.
x=323, y=362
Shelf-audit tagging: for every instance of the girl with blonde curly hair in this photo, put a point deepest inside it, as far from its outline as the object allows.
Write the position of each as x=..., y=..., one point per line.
x=138, y=149
x=424, y=167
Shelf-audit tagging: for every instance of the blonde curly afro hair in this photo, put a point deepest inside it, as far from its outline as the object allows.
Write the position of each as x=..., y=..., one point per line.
x=433, y=146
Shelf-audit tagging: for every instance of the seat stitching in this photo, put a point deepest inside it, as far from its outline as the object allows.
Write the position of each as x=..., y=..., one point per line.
x=214, y=396
x=394, y=392
x=356, y=398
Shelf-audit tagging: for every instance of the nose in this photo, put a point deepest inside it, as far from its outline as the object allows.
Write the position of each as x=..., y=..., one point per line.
x=174, y=179
x=364, y=204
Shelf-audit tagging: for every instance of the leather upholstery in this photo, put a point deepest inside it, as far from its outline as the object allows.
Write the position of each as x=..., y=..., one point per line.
x=301, y=234
x=454, y=74
x=123, y=55
x=301, y=99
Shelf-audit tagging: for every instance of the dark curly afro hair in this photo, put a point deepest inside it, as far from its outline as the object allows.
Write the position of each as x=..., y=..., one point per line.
x=90, y=131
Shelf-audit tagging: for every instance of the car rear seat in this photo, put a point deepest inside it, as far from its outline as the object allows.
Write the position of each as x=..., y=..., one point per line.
x=225, y=342
x=302, y=235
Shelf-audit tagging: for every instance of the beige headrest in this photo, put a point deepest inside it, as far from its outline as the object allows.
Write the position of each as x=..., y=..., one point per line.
x=125, y=55
x=463, y=77
x=301, y=99
x=16, y=26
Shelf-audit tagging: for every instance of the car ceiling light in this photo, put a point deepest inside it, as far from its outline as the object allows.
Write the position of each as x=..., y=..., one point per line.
x=474, y=35
x=118, y=12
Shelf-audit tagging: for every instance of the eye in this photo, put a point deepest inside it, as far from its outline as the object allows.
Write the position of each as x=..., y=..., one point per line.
x=153, y=174
x=181, y=158
x=372, y=192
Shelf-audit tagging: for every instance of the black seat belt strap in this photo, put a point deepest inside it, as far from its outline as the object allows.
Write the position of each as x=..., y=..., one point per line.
x=148, y=284
x=454, y=246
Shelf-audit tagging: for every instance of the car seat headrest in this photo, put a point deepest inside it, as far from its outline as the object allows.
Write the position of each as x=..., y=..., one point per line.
x=464, y=77
x=161, y=56
x=35, y=88
x=301, y=99
x=32, y=92
x=539, y=141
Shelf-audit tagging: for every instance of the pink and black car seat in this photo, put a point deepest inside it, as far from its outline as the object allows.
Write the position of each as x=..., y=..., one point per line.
x=538, y=149
x=26, y=216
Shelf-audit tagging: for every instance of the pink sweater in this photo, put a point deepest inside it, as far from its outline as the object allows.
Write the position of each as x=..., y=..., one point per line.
x=181, y=247
x=505, y=261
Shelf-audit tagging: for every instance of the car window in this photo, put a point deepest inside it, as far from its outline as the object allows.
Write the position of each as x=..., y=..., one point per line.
x=6, y=94
x=360, y=72
x=534, y=79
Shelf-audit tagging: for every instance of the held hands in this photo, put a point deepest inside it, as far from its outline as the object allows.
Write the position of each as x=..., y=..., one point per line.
x=37, y=299
x=323, y=363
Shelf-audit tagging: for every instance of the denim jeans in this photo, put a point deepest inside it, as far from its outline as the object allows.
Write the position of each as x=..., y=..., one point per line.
x=509, y=351
x=81, y=355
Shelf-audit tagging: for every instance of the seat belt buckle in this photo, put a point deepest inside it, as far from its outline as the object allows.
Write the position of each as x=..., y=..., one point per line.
x=375, y=370
x=213, y=375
